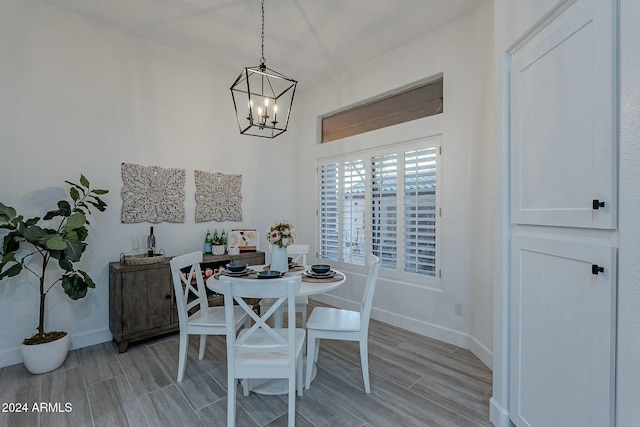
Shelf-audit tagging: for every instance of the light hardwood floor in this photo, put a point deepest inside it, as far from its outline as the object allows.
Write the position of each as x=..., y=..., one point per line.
x=415, y=381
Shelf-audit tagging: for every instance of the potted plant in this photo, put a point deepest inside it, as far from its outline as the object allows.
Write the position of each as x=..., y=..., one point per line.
x=218, y=243
x=31, y=246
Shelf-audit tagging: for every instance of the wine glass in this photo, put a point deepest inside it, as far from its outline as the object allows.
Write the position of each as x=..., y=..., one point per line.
x=135, y=244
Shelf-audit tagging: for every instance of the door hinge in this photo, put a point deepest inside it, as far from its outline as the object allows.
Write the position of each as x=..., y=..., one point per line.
x=440, y=211
x=440, y=149
x=439, y=274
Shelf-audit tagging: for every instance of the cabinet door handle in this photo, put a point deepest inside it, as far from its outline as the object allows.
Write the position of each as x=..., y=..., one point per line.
x=595, y=269
x=597, y=204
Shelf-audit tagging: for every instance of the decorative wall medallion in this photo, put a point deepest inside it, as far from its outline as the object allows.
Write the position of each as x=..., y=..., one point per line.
x=152, y=193
x=218, y=197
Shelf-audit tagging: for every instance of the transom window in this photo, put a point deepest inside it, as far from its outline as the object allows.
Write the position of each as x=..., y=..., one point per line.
x=382, y=201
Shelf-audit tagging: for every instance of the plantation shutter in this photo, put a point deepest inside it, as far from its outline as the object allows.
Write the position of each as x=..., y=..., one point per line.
x=384, y=200
x=420, y=211
x=353, y=212
x=328, y=212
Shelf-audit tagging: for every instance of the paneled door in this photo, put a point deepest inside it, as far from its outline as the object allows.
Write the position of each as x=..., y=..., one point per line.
x=563, y=121
x=563, y=214
x=562, y=320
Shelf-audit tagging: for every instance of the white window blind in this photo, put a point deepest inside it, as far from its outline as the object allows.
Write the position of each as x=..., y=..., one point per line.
x=385, y=202
x=328, y=212
x=420, y=211
x=353, y=212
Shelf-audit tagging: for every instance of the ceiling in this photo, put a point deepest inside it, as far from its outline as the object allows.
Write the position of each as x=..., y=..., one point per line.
x=308, y=40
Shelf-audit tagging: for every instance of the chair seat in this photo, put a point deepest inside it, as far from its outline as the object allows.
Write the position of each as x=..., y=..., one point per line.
x=270, y=301
x=214, y=316
x=263, y=338
x=334, y=319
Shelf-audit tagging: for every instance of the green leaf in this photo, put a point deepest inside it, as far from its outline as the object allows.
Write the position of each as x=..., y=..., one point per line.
x=74, y=250
x=65, y=264
x=14, y=270
x=56, y=243
x=87, y=279
x=100, y=191
x=31, y=222
x=84, y=181
x=76, y=220
x=74, y=286
x=7, y=213
x=9, y=257
x=10, y=244
x=73, y=192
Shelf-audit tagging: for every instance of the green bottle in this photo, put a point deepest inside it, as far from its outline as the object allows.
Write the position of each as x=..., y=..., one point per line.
x=207, y=243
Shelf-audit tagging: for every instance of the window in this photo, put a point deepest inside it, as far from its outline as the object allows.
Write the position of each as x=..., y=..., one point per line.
x=383, y=201
x=415, y=102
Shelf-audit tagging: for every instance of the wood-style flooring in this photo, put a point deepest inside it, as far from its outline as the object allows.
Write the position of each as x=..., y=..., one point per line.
x=415, y=381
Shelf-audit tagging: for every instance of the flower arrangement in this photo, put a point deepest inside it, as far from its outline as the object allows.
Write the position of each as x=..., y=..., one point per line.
x=282, y=234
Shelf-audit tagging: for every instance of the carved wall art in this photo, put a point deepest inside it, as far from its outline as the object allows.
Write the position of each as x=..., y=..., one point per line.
x=218, y=197
x=152, y=193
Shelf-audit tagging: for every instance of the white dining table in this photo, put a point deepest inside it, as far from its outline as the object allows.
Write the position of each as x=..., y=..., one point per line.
x=308, y=287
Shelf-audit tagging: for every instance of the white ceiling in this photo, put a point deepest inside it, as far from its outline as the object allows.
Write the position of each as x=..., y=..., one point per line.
x=308, y=40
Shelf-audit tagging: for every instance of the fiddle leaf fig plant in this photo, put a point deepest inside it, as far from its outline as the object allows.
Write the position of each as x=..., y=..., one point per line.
x=30, y=245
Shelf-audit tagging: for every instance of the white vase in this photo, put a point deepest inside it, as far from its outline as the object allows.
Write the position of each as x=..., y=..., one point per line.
x=279, y=260
x=41, y=358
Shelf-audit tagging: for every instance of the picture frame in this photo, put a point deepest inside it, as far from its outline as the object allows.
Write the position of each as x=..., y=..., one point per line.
x=245, y=239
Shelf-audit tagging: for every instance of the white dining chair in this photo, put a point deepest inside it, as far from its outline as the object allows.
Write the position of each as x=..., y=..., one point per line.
x=262, y=351
x=298, y=253
x=194, y=314
x=346, y=325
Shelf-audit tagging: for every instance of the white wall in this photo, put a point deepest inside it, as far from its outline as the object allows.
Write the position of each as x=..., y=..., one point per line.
x=460, y=50
x=511, y=21
x=81, y=97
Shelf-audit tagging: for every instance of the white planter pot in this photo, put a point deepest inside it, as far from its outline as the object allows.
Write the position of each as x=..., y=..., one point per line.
x=217, y=249
x=41, y=358
x=279, y=259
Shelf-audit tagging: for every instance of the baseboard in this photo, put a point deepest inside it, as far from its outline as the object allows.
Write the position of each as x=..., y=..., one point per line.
x=498, y=416
x=13, y=356
x=427, y=329
x=481, y=352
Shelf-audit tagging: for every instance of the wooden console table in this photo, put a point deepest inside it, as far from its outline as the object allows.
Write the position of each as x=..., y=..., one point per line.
x=141, y=298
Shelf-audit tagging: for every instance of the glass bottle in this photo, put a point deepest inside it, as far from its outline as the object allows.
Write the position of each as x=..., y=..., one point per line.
x=151, y=243
x=207, y=243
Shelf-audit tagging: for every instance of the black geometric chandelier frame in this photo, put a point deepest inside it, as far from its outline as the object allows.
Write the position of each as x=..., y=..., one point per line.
x=263, y=98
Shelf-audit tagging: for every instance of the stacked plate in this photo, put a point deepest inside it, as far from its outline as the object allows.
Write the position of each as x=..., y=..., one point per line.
x=320, y=271
x=326, y=275
x=244, y=272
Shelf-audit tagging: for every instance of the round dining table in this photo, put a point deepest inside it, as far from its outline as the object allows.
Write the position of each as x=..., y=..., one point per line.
x=309, y=286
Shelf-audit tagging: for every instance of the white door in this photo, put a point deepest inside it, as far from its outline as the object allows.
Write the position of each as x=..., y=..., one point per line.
x=562, y=320
x=563, y=213
x=563, y=121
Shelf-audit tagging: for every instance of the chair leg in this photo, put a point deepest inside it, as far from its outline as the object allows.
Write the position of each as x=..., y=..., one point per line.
x=182, y=358
x=364, y=362
x=231, y=401
x=299, y=368
x=313, y=345
x=292, y=402
x=203, y=346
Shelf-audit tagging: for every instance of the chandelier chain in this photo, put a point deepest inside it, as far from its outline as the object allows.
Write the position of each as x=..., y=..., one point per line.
x=262, y=60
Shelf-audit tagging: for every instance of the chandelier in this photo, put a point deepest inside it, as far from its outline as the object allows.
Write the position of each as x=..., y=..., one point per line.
x=262, y=98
